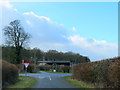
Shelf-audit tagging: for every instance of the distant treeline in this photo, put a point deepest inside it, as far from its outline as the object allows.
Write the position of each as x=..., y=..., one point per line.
x=35, y=54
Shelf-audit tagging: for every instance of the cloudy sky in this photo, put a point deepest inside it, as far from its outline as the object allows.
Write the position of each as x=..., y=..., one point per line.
x=87, y=28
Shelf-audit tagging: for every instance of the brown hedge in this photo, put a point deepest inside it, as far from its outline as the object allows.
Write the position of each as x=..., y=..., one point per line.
x=9, y=73
x=114, y=74
x=103, y=74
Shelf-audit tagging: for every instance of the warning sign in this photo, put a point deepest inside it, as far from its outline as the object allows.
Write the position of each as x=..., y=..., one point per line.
x=26, y=64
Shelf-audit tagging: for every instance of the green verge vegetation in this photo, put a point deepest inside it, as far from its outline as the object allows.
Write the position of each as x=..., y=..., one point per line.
x=24, y=82
x=78, y=84
x=29, y=72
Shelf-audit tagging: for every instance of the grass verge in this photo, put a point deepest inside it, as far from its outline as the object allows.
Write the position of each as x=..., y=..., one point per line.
x=24, y=82
x=29, y=72
x=78, y=84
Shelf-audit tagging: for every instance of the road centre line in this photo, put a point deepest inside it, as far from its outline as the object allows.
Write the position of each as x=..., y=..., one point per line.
x=50, y=78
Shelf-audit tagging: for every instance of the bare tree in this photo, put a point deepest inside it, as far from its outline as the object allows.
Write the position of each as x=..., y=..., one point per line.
x=17, y=37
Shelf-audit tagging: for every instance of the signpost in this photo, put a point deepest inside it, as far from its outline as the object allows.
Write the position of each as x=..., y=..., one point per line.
x=26, y=65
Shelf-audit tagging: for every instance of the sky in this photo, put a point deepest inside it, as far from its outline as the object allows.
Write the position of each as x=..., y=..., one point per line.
x=87, y=28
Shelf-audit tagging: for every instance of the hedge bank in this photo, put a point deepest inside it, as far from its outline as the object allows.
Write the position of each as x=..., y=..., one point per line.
x=103, y=74
x=9, y=73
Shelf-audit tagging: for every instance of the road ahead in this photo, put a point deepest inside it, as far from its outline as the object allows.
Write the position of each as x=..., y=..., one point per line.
x=50, y=80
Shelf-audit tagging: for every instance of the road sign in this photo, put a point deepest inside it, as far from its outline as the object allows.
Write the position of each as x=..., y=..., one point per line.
x=26, y=64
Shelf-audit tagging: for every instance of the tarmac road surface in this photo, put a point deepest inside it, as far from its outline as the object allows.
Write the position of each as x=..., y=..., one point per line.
x=50, y=80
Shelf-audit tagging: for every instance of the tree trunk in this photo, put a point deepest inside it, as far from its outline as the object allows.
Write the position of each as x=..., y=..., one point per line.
x=18, y=55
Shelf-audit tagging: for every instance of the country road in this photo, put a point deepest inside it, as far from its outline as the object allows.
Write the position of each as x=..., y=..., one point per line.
x=50, y=80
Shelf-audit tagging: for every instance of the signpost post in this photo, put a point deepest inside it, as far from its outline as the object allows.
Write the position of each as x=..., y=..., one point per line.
x=26, y=66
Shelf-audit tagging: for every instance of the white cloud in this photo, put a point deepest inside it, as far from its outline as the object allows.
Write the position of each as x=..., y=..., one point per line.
x=44, y=30
x=29, y=23
x=62, y=25
x=100, y=47
x=6, y=4
x=40, y=17
x=49, y=35
x=74, y=29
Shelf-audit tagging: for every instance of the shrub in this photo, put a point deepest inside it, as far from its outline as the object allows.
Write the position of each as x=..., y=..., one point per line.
x=45, y=68
x=63, y=69
x=82, y=72
x=0, y=72
x=103, y=74
x=57, y=68
x=32, y=68
x=9, y=73
x=20, y=67
x=114, y=75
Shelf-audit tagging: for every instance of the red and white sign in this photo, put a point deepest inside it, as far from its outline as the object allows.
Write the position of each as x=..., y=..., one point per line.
x=26, y=64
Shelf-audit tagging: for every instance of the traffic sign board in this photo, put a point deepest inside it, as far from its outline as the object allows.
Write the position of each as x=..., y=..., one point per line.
x=26, y=64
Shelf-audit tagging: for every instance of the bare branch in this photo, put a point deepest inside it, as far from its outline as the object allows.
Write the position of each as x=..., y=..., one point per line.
x=16, y=35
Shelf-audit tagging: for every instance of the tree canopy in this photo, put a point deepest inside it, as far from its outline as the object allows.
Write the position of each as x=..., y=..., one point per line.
x=35, y=54
x=17, y=37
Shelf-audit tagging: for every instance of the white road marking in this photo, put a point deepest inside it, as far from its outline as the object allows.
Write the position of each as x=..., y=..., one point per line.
x=50, y=78
x=41, y=77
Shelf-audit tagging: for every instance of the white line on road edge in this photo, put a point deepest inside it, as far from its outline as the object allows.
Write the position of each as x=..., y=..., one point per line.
x=50, y=78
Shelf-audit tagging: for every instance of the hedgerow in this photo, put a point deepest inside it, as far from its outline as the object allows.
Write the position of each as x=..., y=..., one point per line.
x=9, y=73
x=57, y=68
x=32, y=68
x=103, y=74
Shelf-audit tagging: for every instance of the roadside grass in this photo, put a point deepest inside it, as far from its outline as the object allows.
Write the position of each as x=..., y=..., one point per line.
x=24, y=82
x=57, y=72
x=29, y=72
x=78, y=84
x=37, y=72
